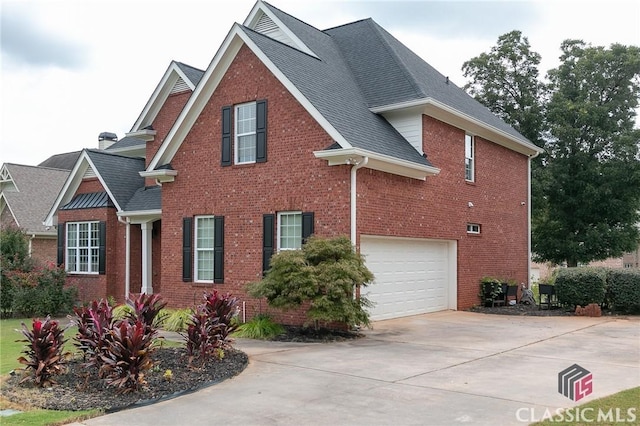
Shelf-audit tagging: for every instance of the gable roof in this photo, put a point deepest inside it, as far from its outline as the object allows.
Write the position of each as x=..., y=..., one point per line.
x=346, y=78
x=29, y=192
x=63, y=161
x=119, y=176
x=177, y=78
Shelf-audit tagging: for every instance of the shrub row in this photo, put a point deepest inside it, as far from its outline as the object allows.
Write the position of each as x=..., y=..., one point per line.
x=617, y=289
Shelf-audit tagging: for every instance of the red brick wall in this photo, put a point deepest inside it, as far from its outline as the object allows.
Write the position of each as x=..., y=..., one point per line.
x=94, y=286
x=44, y=250
x=291, y=179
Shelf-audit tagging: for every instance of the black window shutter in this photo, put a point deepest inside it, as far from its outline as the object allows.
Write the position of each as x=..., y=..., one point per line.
x=307, y=225
x=102, y=247
x=61, y=234
x=187, y=232
x=268, y=242
x=218, y=249
x=226, y=136
x=261, y=131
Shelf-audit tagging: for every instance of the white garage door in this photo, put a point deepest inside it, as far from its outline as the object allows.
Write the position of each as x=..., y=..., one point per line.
x=412, y=276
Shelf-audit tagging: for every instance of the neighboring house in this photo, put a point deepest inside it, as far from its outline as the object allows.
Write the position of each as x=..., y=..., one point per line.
x=293, y=131
x=26, y=196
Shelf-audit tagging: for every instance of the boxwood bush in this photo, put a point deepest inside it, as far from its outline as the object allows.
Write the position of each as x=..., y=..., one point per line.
x=581, y=286
x=624, y=290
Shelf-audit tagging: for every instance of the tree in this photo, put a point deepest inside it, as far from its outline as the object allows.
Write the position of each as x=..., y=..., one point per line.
x=585, y=187
x=325, y=274
x=591, y=205
x=506, y=81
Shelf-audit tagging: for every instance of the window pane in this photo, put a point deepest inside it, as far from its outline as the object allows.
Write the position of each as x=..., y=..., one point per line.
x=205, y=265
x=205, y=233
x=71, y=259
x=94, y=259
x=246, y=148
x=290, y=231
x=84, y=260
x=204, y=248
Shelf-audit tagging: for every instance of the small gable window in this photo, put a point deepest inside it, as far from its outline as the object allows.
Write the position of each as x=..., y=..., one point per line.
x=469, y=158
x=85, y=247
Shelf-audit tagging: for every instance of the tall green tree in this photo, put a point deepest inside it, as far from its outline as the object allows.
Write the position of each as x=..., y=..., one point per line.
x=585, y=187
x=506, y=80
x=591, y=205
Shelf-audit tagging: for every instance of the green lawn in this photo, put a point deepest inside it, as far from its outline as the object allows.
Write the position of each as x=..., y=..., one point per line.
x=619, y=408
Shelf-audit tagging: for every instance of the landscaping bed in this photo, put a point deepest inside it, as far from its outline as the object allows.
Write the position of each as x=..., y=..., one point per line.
x=80, y=389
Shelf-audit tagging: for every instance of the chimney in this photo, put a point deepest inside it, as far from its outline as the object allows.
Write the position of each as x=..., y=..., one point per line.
x=106, y=139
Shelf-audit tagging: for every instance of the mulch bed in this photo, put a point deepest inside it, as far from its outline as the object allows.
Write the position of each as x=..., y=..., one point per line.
x=522, y=309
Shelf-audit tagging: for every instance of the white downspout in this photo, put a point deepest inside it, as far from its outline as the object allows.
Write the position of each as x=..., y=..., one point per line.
x=127, y=257
x=529, y=218
x=31, y=244
x=354, y=194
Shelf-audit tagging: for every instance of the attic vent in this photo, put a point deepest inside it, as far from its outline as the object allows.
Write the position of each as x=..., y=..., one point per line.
x=266, y=26
x=180, y=86
x=89, y=173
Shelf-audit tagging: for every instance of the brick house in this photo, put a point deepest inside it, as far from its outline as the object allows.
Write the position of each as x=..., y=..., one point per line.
x=293, y=131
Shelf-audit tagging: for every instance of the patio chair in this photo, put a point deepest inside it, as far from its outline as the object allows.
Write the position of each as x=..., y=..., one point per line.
x=512, y=293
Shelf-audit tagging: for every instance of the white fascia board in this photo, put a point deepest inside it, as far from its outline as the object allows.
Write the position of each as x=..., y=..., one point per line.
x=376, y=161
x=160, y=94
x=71, y=186
x=141, y=216
x=212, y=77
x=254, y=16
x=445, y=113
x=4, y=203
x=161, y=175
x=144, y=134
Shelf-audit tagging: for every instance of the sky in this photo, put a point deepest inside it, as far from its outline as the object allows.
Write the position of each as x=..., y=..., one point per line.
x=72, y=69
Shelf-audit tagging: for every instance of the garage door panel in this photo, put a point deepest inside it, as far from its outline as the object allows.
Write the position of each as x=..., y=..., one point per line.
x=411, y=276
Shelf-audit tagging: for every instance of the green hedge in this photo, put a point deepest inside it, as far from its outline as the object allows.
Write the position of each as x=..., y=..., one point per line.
x=623, y=293
x=581, y=286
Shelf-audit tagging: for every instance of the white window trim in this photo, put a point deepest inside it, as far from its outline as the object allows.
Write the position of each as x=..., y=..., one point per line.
x=278, y=227
x=237, y=134
x=472, y=158
x=197, y=250
x=77, y=248
x=473, y=228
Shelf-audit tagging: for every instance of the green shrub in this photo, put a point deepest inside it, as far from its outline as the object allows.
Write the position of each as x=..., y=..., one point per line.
x=259, y=327
x=581, y=286
x=324, y=273
x=624, y=290
x=177, y=319
x=40, y=292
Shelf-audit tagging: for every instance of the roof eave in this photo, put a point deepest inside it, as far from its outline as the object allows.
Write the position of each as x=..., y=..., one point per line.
x=376, y=161
x=452, y=116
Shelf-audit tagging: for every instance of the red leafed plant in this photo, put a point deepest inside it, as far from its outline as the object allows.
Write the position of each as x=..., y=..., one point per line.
x=94, y=322
x=44, y=351
x=127, y=355
x=146, y=308
x=210, y=325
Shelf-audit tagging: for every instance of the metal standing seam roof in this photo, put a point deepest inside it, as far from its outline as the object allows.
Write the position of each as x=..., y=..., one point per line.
x=88, y=201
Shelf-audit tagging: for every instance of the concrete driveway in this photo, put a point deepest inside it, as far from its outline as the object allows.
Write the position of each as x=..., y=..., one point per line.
x=435, y=369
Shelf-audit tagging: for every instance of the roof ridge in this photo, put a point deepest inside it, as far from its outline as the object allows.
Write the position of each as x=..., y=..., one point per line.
x=36, y=167
x=189, y=66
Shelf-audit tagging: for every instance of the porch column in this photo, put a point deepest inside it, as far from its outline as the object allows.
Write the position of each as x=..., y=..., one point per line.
x=147, y=287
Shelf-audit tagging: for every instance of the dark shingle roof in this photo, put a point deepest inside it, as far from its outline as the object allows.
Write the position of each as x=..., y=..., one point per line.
x=362, y=66
x=120, y=174
x=148, y=198
x=64, y=161
x=127, y=142
x=193, y=74
x=329, y=85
